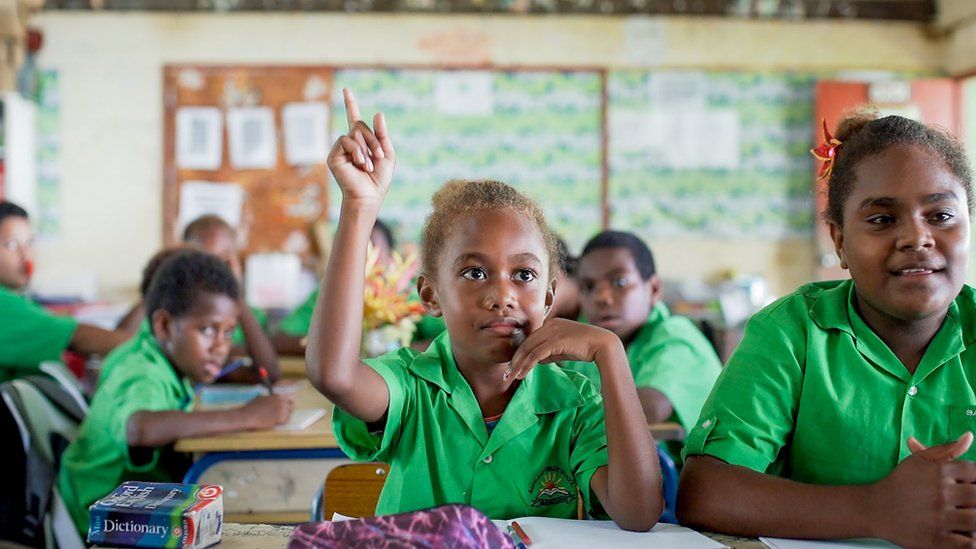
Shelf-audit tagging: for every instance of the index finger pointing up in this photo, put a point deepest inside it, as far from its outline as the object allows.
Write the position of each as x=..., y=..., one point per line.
x=352, y=110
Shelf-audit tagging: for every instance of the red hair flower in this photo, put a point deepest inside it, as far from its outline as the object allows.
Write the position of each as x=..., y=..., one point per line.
x=826, y=152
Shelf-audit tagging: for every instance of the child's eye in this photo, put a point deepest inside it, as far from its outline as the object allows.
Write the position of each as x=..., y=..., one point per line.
x=525, y=275
x=587, y=286
x=208, y=331
x=942, y=217
x=619, y=282
x=475, y=273
x=881, y=219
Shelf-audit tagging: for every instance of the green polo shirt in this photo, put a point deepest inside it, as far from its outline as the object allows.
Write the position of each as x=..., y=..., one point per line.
x=548, y=442
x=29, y=335
x=138, y=377
x=237, y=338
x=813, y=394
x=298, y=322
x=671, y=355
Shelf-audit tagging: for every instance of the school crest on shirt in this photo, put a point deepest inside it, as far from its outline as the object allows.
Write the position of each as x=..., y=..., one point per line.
x=552, y=486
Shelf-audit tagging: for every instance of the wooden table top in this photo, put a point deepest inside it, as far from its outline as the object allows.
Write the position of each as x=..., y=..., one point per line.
x=320, y=434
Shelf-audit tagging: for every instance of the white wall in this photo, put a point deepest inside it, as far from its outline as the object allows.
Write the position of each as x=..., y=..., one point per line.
x=111, y=88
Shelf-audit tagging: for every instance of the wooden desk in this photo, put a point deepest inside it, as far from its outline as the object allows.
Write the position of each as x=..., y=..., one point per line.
x=667, y=431
x=292, y=366
x=319, y=435
x=266, y=536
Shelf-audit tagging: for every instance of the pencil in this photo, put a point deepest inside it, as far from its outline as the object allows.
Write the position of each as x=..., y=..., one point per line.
x=521, y=533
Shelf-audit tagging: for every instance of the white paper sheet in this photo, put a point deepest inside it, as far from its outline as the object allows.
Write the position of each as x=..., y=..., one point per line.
x=199, y=143
x=199, y=198
x=252, y=137
x=465, y=93
x=272, y=280
x=781, y=543
x=305, y=128
x=552, y=533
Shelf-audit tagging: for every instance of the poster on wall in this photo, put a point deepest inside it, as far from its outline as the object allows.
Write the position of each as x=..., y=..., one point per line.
x=252, y=137
x=306, y=127
x=199, y=198
x=199, y=138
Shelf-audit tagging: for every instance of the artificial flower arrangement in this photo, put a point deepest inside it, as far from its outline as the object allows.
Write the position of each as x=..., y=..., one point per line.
x=389, y=314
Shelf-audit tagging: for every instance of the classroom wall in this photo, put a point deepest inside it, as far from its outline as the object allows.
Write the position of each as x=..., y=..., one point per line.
x=110, y=77
x=957, y=22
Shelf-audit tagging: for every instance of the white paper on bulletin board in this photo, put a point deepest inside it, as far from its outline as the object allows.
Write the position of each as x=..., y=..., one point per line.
x=695, y=139
x=678, y=90
x=199, y=198
x=305, y=132
x=465, y=93
x=252, y=137
x=199, y=133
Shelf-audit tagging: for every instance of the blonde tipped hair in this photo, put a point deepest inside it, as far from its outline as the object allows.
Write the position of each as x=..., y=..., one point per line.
x=460, y=197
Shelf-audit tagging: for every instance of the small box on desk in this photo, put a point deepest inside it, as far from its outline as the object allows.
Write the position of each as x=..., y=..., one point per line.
x=156, y=514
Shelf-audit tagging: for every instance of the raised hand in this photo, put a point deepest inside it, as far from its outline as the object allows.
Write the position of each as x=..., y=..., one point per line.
x=363, y=160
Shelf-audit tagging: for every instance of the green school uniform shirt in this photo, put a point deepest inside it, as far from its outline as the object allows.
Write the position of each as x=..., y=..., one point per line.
x=139, y=377
x=671, y=355
x=298, y=322
x=813, y=394
x=29, y=335
x=237, y=337
x=547, y=444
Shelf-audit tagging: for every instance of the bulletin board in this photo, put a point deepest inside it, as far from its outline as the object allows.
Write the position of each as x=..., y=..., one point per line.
x=227, y=137
x=717, y=154
x=540, y=130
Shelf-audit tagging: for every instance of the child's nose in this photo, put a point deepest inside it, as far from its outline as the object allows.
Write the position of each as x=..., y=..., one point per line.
x=916, y=234
x=499, y=295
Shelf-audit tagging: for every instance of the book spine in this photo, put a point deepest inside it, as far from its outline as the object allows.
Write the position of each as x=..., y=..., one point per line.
x=130, y=528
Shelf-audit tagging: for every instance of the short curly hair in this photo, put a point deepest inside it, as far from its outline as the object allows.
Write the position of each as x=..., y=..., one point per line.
x=863, y=134
x=465, y=197
x=183, y=277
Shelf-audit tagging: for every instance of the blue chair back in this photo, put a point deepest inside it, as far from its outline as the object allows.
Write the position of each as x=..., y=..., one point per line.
x=669, y=476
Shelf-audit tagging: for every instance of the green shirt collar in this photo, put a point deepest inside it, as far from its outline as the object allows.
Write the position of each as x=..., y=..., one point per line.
x=835, y=309
x=147, y=344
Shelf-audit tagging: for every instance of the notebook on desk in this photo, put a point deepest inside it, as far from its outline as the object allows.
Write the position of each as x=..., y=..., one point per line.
x=302, y=419
x=232, y=395
x=554, y=533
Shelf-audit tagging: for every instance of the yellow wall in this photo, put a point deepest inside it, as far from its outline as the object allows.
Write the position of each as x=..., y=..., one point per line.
x=111, y=90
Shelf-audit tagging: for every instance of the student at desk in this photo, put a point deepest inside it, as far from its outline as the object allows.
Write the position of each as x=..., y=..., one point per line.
x=144, y=395
x=674, y=365
x=482, y=417
x=30, y=335
x=817, y=427
x=211, y=234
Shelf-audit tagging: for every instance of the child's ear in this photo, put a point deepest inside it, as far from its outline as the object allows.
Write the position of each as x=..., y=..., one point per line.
x=837, y=235
x=428, y=296
x=162, y=326
x=654, y=289
x=551, y=295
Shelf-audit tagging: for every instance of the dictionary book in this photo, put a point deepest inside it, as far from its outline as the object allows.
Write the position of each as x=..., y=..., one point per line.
x=156, y=514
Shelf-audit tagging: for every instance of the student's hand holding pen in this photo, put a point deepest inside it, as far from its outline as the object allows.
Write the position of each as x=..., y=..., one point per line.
x=264, y=412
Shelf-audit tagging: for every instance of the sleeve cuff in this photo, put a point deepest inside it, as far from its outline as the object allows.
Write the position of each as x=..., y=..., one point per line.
x=703, y=440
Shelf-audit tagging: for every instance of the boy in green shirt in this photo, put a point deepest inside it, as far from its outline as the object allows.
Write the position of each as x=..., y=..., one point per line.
x=211, y=234
x=817, y=428
x=142, y=404
x=30, y=335
x=673, y=364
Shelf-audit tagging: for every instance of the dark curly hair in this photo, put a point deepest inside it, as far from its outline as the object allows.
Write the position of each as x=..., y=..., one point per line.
x=643, y=258
x=863, y=135
x=183, y=277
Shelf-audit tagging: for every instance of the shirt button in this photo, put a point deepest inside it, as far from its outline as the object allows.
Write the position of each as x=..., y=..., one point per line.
x=489, y=459
x=912, y=391
x=707, y=423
